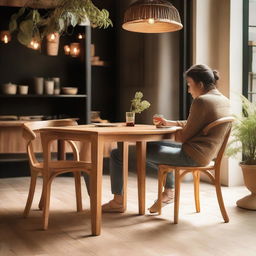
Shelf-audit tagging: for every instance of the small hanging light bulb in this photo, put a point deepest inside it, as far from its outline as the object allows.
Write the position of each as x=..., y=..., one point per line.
x=67, y=49
x=52, y=37
x=36, y=45
x=5, y=39
x=5, y=36
x=74, y=49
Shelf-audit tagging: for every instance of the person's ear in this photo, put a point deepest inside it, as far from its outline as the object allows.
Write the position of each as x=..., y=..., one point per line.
x=201, y=85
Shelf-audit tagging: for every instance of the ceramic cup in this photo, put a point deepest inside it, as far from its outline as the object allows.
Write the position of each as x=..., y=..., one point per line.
x=9, y=88
x=49, y=87
x=38, y=85
x=56, y=82
x=56, y=91
x=23, y=89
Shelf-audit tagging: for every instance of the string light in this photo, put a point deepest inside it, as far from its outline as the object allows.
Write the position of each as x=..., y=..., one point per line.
x=5, y=36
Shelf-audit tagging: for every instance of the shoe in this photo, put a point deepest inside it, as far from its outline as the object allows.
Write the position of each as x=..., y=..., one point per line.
x=154, y=207
x=113, y=206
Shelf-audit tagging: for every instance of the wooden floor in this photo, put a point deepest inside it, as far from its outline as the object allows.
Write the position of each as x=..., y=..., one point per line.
x=124, y=234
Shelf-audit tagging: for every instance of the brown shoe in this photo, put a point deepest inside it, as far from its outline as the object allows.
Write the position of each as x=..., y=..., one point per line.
x=113, y=206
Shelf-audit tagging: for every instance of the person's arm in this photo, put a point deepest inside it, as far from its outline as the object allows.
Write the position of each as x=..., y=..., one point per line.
x=197, y=120
x=160, y=121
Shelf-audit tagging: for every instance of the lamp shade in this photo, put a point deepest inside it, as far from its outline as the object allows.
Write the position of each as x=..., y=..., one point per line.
x=152, y=16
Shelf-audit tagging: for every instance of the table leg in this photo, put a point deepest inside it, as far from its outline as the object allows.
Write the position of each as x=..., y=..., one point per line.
x=61, y=150
x=141, y=174
x=125, y=173
x=96, y=184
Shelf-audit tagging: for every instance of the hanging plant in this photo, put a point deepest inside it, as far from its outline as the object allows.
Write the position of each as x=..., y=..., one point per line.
x=27, y=23
x=30, y=25
x=72, y=13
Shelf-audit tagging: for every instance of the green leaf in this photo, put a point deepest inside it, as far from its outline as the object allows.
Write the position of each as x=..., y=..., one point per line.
x=36, y=16
x=21, y=12
x=61, y=24
x=12, y=25
x=73, y=19
x=26, y=27
x=24, y=39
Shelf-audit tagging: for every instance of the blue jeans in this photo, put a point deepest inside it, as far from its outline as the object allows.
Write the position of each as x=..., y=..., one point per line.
x=159, y=152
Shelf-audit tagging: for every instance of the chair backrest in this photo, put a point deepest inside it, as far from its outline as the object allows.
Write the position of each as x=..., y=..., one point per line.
x=217, y=122
x=30, y=133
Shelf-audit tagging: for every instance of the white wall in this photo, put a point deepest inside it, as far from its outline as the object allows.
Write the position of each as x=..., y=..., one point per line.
x=217, y=42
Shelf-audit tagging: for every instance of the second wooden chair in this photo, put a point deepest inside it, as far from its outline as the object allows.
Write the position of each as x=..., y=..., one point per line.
x=50, y=169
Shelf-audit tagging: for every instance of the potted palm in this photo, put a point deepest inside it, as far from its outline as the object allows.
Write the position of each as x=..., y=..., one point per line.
x=244, y=140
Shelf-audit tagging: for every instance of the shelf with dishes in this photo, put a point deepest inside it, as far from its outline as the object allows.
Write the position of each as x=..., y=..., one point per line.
x=43, y=96
x=40, y=86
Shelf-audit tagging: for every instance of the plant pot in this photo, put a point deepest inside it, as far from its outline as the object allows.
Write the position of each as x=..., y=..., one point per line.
x=249, y=173
x=53, y=44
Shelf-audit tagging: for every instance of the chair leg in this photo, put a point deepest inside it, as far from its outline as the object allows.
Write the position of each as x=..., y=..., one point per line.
x=79, y=206
x=221, y=202
x=46, y=201
x=177, y=196
x=160, y=189
x=196, y=176
x=41, y=202
x=30, y=194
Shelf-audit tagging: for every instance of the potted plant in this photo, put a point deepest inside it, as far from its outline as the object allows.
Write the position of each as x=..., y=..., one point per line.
x=31, y=25
x=244, y=140
x=137, y=106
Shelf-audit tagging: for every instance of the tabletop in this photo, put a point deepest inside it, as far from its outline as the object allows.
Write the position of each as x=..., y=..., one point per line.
x=119, y=128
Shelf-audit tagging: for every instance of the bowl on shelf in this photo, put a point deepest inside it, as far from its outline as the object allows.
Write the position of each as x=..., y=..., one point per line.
x=69, y=90
x=9, y=88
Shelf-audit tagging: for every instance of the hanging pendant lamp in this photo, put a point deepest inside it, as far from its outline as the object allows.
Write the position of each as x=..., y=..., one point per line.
x=152, y=16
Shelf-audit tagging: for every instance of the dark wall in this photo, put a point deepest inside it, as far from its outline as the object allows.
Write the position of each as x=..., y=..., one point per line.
x=149, y=63
x=104, y=93
x=19, y=64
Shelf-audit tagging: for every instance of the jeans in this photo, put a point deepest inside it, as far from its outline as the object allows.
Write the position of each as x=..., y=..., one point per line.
x=159, y=152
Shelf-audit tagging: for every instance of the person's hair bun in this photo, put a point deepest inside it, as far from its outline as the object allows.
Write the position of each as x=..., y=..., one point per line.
x=216, y=75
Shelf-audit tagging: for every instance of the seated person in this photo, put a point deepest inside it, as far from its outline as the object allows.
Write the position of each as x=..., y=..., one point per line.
x=191, y=148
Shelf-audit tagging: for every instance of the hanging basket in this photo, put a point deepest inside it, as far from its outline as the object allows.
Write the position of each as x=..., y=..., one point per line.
x=53, y=44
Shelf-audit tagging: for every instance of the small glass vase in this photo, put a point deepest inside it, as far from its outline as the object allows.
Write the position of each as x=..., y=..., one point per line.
x=130, y=118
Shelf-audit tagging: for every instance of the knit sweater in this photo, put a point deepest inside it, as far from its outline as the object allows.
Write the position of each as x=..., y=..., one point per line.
x=204, y=109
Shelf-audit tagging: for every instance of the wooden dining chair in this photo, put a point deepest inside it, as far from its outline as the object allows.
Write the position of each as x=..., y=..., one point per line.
x=50, y=169
x=209, y=170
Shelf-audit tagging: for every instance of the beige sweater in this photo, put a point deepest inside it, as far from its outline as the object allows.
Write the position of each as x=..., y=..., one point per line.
x=204, y=109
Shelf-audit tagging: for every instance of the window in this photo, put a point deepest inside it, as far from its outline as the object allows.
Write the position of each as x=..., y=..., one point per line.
x=249, y=72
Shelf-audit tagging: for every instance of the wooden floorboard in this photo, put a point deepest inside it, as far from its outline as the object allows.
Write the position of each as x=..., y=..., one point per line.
x=124, y=234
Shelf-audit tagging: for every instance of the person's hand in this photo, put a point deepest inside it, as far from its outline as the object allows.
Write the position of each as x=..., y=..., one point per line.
x=159, y=121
